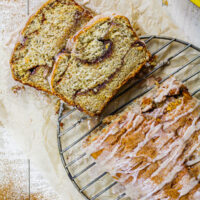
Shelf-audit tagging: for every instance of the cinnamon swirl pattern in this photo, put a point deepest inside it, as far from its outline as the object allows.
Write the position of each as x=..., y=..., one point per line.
x=102, y=57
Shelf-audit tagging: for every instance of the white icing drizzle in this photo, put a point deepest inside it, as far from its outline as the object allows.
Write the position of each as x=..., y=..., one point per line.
x=193, y=162
x=168, y=139
x=154, y=188
x=165, y=89
x=153, y=132
x=180, y=116
x=196, y=195
x=187, y=184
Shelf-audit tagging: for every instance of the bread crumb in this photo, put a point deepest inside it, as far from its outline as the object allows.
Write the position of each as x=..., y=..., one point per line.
x=57, y=106
x=140, y=48
x=61, y=125
x=27, y=59
x=157, y=83
x=17, y=88
x=158, y=120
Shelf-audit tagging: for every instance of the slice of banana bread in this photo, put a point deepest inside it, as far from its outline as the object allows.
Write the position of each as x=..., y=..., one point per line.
x=44, y=36
x=105, y=54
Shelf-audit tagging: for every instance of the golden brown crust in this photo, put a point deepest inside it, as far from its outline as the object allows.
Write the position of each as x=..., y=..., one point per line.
x=86, y=14
x=114, y=91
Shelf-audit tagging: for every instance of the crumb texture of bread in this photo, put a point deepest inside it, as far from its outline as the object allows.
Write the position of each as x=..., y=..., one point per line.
x=152, y=147
x=105, y=54
x=44, y=36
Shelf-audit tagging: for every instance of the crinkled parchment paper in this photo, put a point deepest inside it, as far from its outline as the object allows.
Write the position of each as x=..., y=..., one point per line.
x=29, y=115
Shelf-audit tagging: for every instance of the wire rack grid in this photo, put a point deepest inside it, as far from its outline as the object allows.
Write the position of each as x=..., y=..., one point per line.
x=168, y=41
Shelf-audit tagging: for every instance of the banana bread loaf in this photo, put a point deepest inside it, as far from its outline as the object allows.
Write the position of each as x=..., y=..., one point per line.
x=152, y=147
x=103, y=56
x=43, y=37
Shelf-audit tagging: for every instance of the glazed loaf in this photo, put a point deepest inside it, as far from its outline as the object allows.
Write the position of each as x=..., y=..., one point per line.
x=43, y=37
x=103, y=56
x=153, y=147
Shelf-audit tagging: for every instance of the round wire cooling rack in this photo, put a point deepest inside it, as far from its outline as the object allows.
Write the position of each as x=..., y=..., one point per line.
x=73, y=126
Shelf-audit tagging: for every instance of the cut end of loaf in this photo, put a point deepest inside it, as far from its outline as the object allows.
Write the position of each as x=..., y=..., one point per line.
x=105, y=54
x=44, y=36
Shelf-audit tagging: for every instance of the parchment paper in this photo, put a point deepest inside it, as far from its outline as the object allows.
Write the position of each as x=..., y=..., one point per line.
x=29, y=115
